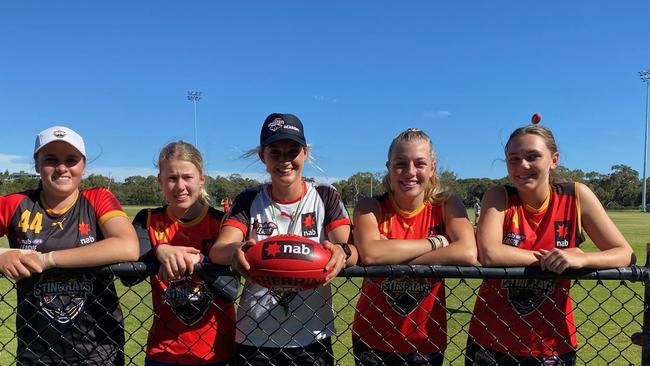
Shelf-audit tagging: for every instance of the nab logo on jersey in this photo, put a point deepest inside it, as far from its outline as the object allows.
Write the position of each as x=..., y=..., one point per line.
x=309, y=225
x=84, y=229
x=287, y=250
x=562, y=229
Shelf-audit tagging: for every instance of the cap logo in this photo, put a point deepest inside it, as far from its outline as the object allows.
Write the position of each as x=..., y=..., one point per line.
x=59, y=133
x=276, y=124
x=290, y=127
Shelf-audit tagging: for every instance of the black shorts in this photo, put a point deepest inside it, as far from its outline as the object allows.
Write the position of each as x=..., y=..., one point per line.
x=317, y=354
x=150, y=362
x=366, y=356
x=476, y=355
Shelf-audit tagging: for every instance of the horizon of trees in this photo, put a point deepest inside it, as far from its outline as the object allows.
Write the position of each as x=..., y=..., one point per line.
x=620, y=188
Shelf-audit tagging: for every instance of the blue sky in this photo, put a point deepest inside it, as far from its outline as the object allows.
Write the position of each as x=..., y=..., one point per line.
x=356, y=73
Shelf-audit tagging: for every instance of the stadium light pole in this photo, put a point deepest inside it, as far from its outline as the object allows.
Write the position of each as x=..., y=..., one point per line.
x=194, y=96
x=645, y=77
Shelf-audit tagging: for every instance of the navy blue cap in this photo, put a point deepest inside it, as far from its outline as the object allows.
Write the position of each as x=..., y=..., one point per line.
x=282, y=126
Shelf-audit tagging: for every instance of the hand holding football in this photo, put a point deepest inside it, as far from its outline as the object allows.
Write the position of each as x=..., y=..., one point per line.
x=287, y=262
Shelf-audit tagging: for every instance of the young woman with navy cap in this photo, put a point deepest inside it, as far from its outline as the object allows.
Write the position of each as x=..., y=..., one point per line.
x=277, y=327
x=70, y=317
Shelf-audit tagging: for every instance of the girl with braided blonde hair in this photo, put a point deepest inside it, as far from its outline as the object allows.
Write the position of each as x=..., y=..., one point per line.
x=401, y=320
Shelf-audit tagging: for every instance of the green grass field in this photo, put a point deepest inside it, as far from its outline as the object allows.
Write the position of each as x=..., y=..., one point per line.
x=607, y=313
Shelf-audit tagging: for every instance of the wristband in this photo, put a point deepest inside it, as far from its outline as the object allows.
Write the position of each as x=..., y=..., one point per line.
x=443, y=240
x=49, y=258
x=41, y=258
x=432, y=241
x=346, y=249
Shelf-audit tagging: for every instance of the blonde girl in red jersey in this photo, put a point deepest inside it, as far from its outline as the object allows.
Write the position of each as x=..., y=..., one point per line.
x=192, y=324
x=536, y=222
x=402, y=320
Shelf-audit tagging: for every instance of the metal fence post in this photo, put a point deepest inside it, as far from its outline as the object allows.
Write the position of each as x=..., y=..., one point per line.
x=645, y=334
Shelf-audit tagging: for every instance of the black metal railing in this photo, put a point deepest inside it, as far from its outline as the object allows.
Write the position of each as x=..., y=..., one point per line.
x=611, y=311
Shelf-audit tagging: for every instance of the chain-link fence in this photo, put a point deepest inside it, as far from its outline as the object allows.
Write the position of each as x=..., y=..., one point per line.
x=608, y=312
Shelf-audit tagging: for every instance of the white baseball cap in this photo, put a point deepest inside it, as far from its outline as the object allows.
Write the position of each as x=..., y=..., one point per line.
x=59, y=133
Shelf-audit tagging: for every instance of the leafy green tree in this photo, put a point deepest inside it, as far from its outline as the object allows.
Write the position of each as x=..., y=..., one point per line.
x=97, y=180
x=475, y=188
x=564, y=174
x=449, y=181
x=21, y=183
x=228, y=187
x=359, y=185
x=138, y=190
x=623, y=184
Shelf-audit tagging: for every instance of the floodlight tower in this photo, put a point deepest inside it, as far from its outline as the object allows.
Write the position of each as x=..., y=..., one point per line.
x=645, y=77
x=194, y=96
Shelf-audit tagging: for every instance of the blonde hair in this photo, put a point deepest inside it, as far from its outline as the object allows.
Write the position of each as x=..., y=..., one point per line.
x=433, y=192
x=181, y=150
x=541, y=131
x=257, y=151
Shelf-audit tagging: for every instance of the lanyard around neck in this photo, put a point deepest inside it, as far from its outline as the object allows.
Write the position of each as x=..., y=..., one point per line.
x=294, y=216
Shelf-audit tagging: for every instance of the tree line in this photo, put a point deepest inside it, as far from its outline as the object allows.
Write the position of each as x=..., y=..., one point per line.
x=617, y=189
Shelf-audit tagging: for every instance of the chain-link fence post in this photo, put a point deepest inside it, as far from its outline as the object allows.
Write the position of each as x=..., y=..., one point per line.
x=645, y=333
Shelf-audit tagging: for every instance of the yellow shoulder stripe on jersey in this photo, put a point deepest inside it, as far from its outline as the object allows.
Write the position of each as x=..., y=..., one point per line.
x=581, y=233
x=111, y=214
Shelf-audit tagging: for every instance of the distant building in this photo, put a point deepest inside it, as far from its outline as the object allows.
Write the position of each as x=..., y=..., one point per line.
x=21, y=174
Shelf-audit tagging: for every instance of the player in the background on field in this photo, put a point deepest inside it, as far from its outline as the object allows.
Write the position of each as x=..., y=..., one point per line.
x=65, y=317
x=536, y=222
x=192, y=323
x=276, y=327
x=477, y=211
x=402, y=320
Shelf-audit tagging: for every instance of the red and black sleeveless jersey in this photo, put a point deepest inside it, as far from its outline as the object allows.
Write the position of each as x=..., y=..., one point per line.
x=191, y=326
x=64, y=318
x=531, y=317
x=404, y=314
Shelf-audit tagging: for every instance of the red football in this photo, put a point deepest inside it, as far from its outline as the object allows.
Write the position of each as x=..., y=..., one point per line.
x=536, y=118
x=287, y=262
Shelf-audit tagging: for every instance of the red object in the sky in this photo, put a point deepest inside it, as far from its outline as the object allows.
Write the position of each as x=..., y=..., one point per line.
x=536, y=118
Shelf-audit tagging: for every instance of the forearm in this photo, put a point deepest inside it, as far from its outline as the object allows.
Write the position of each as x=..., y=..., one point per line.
x=506, y=256
x=456, y=253
x=107, y=251
x=379, y=252
x=221, y=253
x=611, y=258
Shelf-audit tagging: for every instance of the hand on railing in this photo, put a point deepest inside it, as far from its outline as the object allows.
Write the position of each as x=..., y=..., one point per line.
x=21, y=263
x=176, y=261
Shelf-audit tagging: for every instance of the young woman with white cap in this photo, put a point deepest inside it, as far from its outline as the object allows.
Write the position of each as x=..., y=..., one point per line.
x=277, y=327
x=65, y=317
